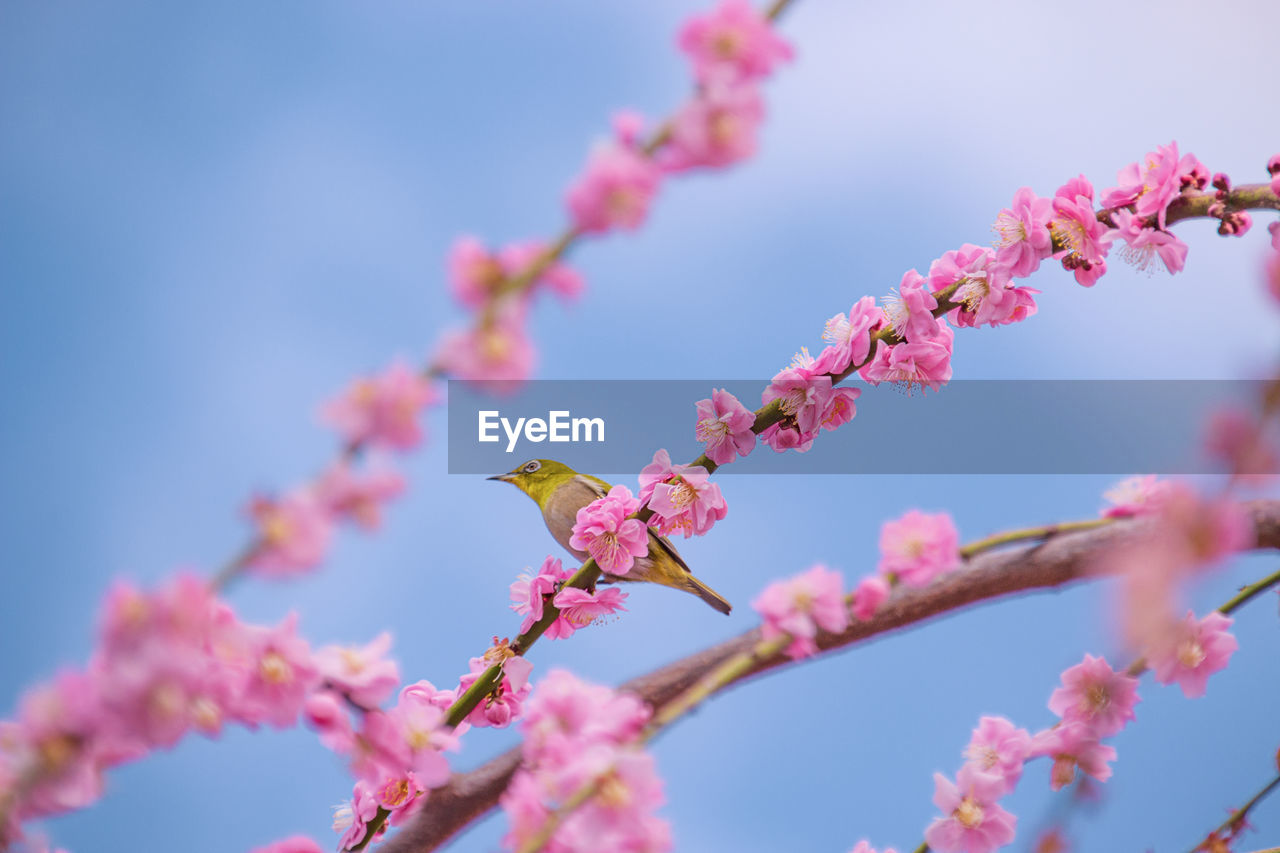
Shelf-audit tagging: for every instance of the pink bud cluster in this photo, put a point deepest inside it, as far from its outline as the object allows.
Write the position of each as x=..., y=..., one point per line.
x=579, y=734
x=168, y=662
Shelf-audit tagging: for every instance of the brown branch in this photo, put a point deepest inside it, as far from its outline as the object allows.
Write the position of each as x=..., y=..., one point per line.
x=1059, y=560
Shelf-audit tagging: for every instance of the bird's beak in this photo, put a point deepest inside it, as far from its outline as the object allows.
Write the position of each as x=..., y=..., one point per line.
x=505, y=478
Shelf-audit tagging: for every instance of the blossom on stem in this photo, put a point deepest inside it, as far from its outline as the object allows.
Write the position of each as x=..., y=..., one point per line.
x=1023, y=233
x=724, y=426
x=529, y=591
x=1084, y=241
x=1151, y=185
x=604, y=531
x=1096, y=696
x=383, y=409
x=999, y=748
x=684, y=500
x=293, y=532
x=799, y=606
x=849, y=338
x=1148, y=248
x=358, y=496
x=580, y=608
x=717, y=127
x=363, y=673
x=496, y=349
x=732, y=42
x=918, y=547
x=613, y=191
x=871, y=592
x=913, y=365
x=972, y=821
x=1192, y=652
x=1072, y=746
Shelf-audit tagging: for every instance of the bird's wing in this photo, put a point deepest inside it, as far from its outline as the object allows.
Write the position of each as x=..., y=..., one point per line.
x=595, y=484
x=662, y=543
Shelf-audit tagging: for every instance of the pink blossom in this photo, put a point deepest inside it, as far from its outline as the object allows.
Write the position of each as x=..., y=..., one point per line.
x=383, y=409
x=799, y=606
x=910, y=310
x=281, y=675
x=1193, y=652
x=918, y=547
x=999, y=748
x=686, y=501
x=562, y=279
x=1149, y=187
x=1192, y=174
x=783, y=438
x=1136, y=496
x=614, y=191
x=400, y=795
x=580, y=608
x=850, y=337
x=1023, y=232
x=476, y=274
x=802, y=396
x=565, y=713
x=716, y=128
x=326, y=712
x=865, y=847
x=351, y=819
x=1205, y=529
x=1073, y=745
x=1237, y=438
x=1148, y=246
x=293, y=532
x=912, y=365
x=358, y=497
x=293, y=844
x=872, y=591
x=1096, y=696
x=733, y=42
x=841, y=408
x=504, y=705
x=985, y=294
x=498, y=350
x=604, y=531
x=972, y=821
x=724, y=426
x=1084, y=241
x=528, y=592
x=364, y=674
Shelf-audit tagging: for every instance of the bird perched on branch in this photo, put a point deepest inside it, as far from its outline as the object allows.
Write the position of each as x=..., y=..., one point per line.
x=561, y=491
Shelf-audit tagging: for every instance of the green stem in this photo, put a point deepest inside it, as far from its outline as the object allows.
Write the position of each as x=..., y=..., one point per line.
x=1249, y=592
x=371, y=829
x=1030, y=533
x=1237, y=817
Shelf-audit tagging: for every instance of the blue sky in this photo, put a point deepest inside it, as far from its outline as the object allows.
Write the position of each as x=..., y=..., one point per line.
x=213, y=216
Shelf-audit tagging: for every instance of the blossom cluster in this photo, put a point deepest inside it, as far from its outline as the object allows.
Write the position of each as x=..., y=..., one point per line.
x=576, y=608
x=732, y=48
x=914, y=550
x=578, y=735
x=168, y=662
x=907, y=338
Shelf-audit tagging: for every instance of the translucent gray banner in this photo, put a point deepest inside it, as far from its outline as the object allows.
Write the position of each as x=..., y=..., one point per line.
x=969, y=427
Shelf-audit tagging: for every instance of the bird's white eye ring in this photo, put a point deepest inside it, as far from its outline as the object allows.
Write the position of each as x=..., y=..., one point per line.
x=532, y=466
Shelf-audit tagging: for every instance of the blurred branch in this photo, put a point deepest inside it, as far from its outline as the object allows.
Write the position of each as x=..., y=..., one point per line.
x=1061, y=559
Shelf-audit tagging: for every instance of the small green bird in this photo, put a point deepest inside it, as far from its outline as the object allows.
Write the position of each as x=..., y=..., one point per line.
x=561, y=491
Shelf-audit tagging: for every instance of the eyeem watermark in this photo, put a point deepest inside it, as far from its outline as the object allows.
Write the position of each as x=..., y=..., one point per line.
x=559, y=426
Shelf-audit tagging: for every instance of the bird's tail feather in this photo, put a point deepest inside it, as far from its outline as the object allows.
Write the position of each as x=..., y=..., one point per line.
x=709, y=595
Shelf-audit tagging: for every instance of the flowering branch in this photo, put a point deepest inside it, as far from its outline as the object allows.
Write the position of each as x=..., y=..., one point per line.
x=1233, y=826
x=1060, y=559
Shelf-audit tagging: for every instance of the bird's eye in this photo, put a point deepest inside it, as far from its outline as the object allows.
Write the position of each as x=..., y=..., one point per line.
x=532, y=466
